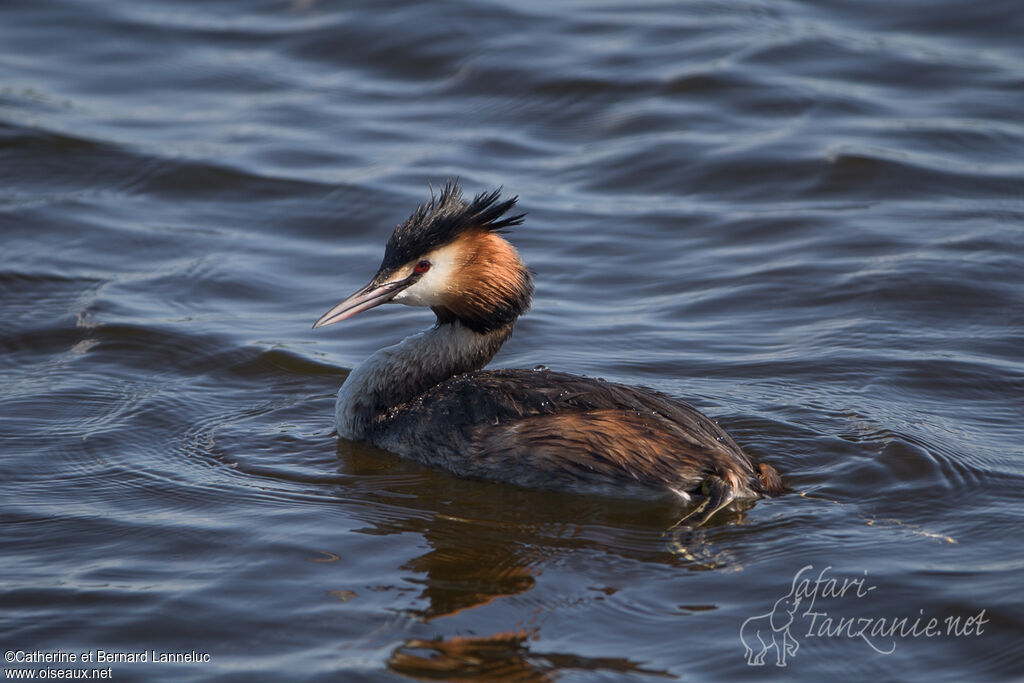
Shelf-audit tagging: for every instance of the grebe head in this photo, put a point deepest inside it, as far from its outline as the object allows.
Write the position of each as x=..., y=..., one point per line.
x=449, y=255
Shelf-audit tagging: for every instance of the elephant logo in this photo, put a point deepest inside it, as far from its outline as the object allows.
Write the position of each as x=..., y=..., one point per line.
x=766, y=631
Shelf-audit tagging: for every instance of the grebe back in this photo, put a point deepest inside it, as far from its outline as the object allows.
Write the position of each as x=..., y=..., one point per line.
x=427, y=398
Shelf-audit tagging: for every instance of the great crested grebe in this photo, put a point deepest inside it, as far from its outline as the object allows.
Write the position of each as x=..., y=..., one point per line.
x=427, y=398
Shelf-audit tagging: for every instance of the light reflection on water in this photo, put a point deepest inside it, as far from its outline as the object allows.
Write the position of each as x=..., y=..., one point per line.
x=804, y=219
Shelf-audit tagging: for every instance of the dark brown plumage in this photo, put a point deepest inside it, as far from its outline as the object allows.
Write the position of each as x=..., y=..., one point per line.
x=428, y=399
x=558, y=431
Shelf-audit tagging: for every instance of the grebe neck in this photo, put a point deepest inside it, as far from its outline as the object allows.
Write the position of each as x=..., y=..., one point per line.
x=397, y=374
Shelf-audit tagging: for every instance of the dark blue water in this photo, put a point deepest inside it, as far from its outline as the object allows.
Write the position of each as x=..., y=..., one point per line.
x=806, y=218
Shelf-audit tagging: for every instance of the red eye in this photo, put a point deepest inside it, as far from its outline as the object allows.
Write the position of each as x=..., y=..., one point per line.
x=422, y=267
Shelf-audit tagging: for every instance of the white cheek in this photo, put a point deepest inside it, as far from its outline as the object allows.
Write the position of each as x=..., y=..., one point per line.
x=431, y=288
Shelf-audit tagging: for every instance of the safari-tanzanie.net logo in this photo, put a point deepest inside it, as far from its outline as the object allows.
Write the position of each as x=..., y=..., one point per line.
x=817, y=606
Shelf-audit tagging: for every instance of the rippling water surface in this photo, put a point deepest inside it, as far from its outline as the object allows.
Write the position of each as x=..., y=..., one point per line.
x=804, y=217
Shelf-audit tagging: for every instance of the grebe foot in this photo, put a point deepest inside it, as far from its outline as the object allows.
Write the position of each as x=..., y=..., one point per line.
x=689, y=544
x=717, y=494
x=686, y=536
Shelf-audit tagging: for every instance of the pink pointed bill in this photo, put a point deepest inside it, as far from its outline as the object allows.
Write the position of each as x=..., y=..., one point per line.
x=366, y=298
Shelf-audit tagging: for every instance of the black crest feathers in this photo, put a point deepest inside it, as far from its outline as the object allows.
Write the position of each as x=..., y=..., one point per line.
x=445, y=217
